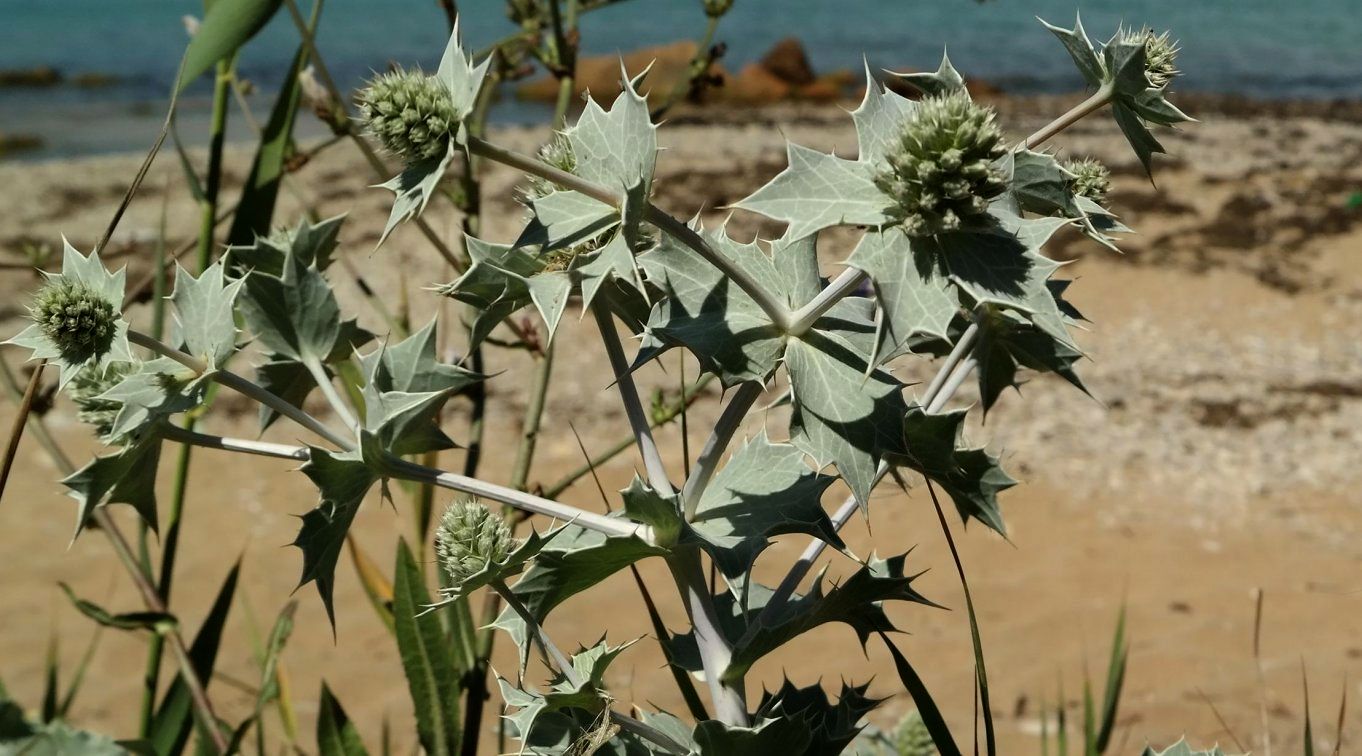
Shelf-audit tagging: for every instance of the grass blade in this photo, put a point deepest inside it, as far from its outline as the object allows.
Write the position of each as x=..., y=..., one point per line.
x=174, y=719
x=1308, y=748
x=336, y=735
x=1342, y=713
x=1116, y=677
x=431, y=675
x=255, y=211
x=20, y=422
x=225, y=28
x=922, y=699
x=980, y=671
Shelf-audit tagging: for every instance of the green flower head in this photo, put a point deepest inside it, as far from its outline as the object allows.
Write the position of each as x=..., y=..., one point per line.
x=943, y=172
x=470, y=538
x=77, y=317
x=558, y=153
x=86, y=390
x=911, y=737
x=1160, y=56
x=1091, y=179
x=412, y=114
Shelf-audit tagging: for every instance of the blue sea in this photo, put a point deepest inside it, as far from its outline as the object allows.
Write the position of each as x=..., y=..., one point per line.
x=1274, y=49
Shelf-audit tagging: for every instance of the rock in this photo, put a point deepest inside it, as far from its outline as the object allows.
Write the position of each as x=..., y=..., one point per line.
x=976, y=87
x=10, y=143
x=828, y=87
x=40, y=76
x=600, y=74
x=788, y=62
x=755, y=85
x=94, y=80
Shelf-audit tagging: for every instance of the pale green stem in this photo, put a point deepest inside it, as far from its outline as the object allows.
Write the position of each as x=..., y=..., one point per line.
x=400, y=468
x=338, y=405
x=730, y=420
x=1077, y=113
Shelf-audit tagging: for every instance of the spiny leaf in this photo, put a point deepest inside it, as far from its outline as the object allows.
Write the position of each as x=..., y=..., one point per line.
x=911, y=291
x=127, y=477
x=764, y=490
x=817, y=191
x=972, y=477
x=204, y=313
x=855, y=602
x=343, y=482
x=843, y=416
x=945, y=80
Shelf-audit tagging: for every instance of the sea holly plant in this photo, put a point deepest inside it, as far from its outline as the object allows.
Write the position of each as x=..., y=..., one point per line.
x=953, y=219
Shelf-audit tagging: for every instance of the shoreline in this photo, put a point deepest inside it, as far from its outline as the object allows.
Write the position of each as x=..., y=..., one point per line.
x=120, y=128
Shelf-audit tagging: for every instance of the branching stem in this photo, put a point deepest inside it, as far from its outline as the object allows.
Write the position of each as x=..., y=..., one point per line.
x=730, y=420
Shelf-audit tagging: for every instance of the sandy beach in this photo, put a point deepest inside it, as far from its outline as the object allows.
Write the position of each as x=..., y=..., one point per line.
x=1218, y=457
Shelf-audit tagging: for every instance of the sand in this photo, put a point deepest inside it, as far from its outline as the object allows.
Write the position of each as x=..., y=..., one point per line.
x=1218, y=457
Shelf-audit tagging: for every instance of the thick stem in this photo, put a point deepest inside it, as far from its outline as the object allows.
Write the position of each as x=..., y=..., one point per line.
x=730, y=420
x=730, y=703
x=715, y=650
x=633, y=408
x=1080, y=111
x=664, y=222
x=802, y=320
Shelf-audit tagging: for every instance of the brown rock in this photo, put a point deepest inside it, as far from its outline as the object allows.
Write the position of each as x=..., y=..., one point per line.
x=11, y=143
x=40, y=76
x=94, y=80
x=788, y=62
x=828, y=87
x=600, y=74
x=755, y=85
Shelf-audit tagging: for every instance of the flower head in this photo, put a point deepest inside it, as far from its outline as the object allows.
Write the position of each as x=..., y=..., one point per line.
x=411, y=113
x=1091, y=179
x=942, y=172
x=912, y=738
x=87, y=387
x=558, y=153
x=1160, y=56
x=470, y=538
x=76, y=319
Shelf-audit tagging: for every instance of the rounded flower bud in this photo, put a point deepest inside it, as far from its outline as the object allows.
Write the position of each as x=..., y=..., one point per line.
x=1160, y=56
x=557, y=153
x=78, y=321
x=411, y=113
x=942, y=172
x=717, y=8
x=86, y=388
x=911, y=737
x=470, y=538
x=1091, y=179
